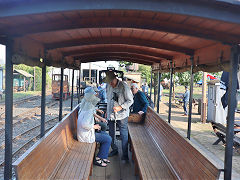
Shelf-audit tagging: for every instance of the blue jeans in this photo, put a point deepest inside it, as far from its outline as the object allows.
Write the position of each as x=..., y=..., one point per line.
x=185, y=107
x=123, y=126
x=105, y=141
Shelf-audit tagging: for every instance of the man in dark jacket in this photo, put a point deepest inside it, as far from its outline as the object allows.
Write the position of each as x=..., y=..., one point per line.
x=140, y=102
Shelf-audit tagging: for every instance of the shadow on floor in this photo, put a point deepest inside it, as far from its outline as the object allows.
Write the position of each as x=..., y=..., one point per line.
x=117, y=169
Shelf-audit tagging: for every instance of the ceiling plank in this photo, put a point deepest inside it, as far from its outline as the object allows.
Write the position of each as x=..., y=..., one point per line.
x=117, y=49
x=122, y=22
x=119, y=40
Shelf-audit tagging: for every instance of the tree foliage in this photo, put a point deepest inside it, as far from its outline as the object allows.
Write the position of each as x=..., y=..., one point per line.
x=125, y=63
x=146, y=72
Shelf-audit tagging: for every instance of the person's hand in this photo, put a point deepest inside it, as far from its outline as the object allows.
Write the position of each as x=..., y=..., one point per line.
x=104, y=120
x=100, y=111
x=96, y=119
x=140, y=112
x=117, y=108
x=96, y=126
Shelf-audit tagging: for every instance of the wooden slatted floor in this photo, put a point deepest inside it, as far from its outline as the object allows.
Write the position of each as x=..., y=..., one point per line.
x=116, y=170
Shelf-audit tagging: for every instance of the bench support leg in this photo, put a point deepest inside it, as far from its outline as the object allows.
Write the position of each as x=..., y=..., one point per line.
x=136, y=170
x=221, y=137
x=91, y=169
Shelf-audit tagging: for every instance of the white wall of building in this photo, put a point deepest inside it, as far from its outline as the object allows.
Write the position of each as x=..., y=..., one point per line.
x=101, y=65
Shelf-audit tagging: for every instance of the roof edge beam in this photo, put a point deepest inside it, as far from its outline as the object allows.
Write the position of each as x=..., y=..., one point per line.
x=96, y=54
x=116, y=58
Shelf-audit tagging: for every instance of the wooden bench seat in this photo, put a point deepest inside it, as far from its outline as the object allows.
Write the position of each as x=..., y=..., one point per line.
x=179, y=159
x=150, y=161
x=58, y=155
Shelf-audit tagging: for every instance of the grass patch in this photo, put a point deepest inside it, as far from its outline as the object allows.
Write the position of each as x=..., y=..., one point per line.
x=197, y=91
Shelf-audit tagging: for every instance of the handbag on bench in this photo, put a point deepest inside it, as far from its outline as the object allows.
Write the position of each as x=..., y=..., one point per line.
x=136, y=118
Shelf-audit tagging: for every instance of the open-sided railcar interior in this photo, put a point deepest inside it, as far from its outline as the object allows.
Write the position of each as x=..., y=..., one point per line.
x=203, y=35
x=58, y=155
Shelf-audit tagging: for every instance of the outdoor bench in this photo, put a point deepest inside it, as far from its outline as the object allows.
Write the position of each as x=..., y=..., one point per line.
x=160, y=152
x=220, y=131
x=57, y=155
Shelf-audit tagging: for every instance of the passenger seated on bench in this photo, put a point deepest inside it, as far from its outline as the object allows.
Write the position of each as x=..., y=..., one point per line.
x=86, y=127
x=140, y=102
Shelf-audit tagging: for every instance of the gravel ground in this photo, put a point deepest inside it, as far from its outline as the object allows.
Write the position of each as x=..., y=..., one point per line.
x=29, y=120
x=202, y=133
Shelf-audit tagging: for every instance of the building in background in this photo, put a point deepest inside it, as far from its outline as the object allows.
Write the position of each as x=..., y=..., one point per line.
x=22, y=80
x=95, y=68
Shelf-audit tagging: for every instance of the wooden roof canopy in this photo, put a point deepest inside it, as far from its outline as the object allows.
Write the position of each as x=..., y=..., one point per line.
x=151, y=32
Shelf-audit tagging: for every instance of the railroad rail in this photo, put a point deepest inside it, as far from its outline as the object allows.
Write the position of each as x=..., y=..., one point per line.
x=17, y=102
x=17, y=152
x=32, y=110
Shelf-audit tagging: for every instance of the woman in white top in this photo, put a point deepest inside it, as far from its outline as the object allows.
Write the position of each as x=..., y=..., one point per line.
x=86, y=127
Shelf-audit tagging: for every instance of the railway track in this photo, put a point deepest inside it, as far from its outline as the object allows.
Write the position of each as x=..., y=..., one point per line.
x=28, y=113
x=16, y=103
x=31, y=139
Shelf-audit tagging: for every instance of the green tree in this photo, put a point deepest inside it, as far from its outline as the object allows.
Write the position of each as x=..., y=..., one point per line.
x=184, y=78
x=146, y=72
x=125, y=63
x=38, y=75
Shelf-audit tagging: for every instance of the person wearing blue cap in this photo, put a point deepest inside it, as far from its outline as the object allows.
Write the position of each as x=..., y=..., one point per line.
x=86, y=127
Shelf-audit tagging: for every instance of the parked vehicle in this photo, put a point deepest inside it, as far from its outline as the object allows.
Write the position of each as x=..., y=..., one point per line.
x=56, y=81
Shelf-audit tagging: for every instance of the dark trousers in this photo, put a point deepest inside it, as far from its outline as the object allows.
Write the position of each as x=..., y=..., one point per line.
x=123, y=126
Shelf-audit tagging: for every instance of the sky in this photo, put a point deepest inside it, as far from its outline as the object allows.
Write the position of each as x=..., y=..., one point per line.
x=2, y=54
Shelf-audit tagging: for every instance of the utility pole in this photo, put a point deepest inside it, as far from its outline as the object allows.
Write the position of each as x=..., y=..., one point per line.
x=204, y=98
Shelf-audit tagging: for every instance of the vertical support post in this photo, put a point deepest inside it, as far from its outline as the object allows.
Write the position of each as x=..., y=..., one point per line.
x=190, y=100
x=151, y=86
x=72, y=89
x=8, y=112
x=79, y=82
x=235, y=51
x=43, y=99
x=24, y=84
x=90, y=73
x=61, y=95
x=34, y=82
x=77, y=87
x=170, y=92
x=204, y=98
x=155, y=89
x=159, y=88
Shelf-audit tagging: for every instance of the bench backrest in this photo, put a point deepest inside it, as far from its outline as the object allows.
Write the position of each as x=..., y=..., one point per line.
x=183, y=158
x=40, y=161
